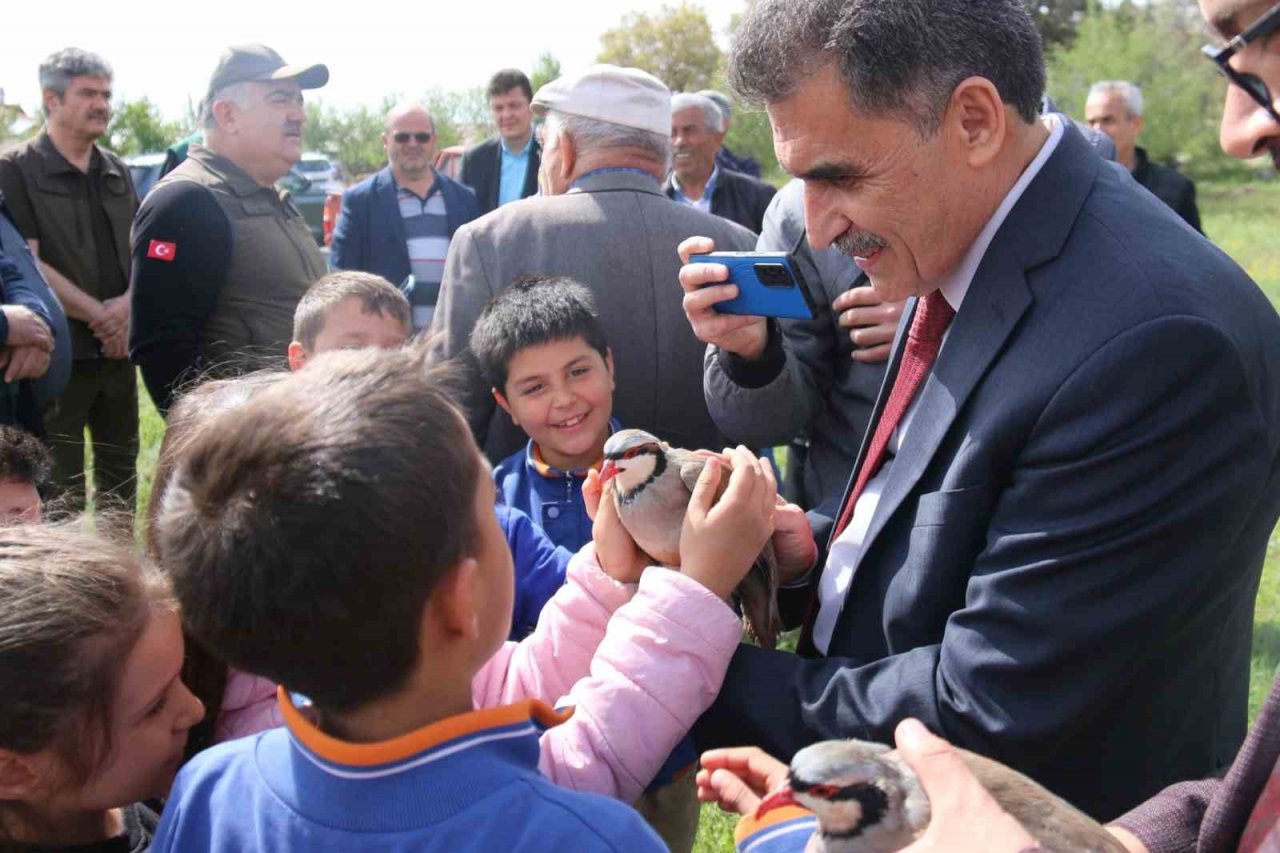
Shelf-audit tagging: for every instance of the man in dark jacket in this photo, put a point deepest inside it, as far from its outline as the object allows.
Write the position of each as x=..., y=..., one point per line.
x=697, y=133
x=725, y=158
x=1115, y=107
x=504, y=168
x=73, y=201
x=400, y=221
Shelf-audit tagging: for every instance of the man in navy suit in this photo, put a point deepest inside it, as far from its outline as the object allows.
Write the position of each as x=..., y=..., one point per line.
x=1051, y=543
x=400, y=221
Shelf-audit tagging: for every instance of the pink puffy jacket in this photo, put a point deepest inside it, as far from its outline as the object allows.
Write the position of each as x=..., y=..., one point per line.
x=639, y=664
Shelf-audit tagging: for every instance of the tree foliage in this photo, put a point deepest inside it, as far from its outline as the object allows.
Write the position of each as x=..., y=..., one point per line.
x=137, y=127
x=546, y=69
x=1155, y=46
x=354, y=136
x=673, y=44
x=1057, y=20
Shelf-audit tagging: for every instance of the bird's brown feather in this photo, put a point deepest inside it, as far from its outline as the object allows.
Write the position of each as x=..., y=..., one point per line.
x=1059, y=826
x=758, y=591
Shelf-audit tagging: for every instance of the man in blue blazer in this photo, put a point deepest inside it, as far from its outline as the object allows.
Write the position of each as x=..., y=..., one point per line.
x=400, y=221
x=1052, y=540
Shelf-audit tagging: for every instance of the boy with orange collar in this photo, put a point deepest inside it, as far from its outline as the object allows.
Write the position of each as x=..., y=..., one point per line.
x=336, y=534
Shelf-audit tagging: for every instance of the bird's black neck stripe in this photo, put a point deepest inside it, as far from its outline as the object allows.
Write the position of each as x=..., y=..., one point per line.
x=659, y=465
x=874, y=802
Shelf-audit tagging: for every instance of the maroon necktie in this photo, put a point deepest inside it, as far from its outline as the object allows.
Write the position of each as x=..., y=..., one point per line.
x=924, y=339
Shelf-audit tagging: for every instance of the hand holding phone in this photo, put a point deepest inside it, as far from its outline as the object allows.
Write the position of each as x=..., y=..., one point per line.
x=769, y=285
x=704, y=288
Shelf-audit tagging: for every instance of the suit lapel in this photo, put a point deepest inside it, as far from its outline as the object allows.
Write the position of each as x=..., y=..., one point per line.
x=390, y=205
x=496, y=183
x=998, y=297
x=531, y=171
x=996, y=301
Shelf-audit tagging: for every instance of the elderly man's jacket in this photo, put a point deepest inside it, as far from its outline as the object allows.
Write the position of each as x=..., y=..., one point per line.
x=616, y=234
x=737, y=197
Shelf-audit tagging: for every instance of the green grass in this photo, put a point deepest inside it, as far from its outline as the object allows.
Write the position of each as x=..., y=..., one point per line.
x=1243, y=220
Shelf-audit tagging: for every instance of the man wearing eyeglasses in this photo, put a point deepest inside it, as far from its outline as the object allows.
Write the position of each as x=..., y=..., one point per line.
x=1241, y=809
x=399, y=222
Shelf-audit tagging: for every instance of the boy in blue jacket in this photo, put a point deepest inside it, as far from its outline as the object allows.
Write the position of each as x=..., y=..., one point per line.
x=336, y=535
x=542, y=349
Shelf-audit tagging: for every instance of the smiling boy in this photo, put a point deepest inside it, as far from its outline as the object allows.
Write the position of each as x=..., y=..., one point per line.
x=543, y=351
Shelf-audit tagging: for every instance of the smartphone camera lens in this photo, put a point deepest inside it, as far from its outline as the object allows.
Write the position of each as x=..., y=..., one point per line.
x=774, y=275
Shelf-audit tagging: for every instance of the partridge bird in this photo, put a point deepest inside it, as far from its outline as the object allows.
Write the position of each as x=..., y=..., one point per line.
x=867, y=800
x=653, y=484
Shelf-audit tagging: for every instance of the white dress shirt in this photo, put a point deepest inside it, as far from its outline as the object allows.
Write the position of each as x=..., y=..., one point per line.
x=847, y=549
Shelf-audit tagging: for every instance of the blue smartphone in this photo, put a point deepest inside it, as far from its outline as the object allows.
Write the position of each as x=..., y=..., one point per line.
x=769, y=285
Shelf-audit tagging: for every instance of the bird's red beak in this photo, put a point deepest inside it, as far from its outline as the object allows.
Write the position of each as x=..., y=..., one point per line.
x=776, y=800
x=607, y=472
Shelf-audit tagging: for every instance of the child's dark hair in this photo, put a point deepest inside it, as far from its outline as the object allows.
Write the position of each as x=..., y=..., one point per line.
x=305, y=530
x=506, y=80
x=534, y=310
x=72, y=605
x=23, y=459
x=376, y=295
x=203, y=672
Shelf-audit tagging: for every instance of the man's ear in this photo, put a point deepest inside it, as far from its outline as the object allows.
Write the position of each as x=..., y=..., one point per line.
x=978, y=116
x=21, y=775
x=608, y=363
x=454, y=602
x=568, y=156
x=1137, y=125
x=49, y=98
x=297, y=355
x=506, y=407
x=224, y=114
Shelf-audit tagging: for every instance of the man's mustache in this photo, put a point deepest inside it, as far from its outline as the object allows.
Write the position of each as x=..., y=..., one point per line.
x=859, y=244
x=102, y=114
x=293, y=128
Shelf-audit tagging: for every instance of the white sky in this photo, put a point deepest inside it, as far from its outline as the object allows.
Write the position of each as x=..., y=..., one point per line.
x=166, y=50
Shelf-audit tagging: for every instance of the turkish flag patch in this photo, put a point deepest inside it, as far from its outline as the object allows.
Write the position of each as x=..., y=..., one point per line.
x=162, y=251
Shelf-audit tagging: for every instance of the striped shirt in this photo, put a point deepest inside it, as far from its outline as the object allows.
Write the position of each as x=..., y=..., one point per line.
x=426, y=229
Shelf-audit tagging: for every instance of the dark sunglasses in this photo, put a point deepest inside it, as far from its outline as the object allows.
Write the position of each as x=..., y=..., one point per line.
x=422, y=137
x=1251, y=83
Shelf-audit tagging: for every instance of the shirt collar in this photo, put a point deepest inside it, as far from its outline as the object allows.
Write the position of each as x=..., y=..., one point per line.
x=524, y=149
x=592, y=179
x=448, y=736
x=707, y=191
x=418, y=779
x=956, y=285
x=235, y=178
x=435, y=185
x=533, y=458
x=55, y=163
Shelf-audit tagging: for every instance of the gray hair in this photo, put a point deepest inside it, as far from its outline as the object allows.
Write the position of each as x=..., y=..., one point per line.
x=1131, y=94
x=895, y=56
x=712, y=116
x=60, y=68
x=237, y=93
x=591, y=134
x=721, y=100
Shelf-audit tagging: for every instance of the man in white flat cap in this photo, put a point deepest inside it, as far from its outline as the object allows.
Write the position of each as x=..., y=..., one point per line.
x=601, y=219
